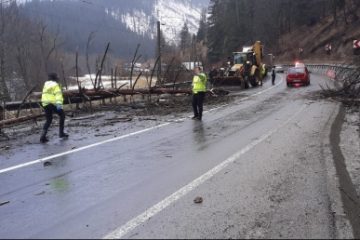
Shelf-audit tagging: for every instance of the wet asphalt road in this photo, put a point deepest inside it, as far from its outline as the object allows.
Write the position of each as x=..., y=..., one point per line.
x=273, y=185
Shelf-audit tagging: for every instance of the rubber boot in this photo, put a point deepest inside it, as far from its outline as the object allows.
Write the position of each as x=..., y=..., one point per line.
x=200, y=117
x=63, y=135
x=43, y=138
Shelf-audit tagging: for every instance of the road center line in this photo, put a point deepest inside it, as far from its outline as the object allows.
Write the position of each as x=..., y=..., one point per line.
x=27, y=164
x=122, y=231
x=248, y=97
x=79, y=149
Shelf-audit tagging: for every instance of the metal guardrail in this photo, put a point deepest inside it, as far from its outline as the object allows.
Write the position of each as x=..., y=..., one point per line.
x=14, y=106
x=323, y=68
x=177, y=85
x=333, y=71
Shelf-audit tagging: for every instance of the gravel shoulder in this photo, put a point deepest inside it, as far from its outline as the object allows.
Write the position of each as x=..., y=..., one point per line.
x=345, y=144
x=350, y=144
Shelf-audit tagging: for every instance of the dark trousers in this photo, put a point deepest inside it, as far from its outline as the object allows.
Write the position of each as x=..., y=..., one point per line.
x=273, y=79
x=49, y=111
x=197, y=103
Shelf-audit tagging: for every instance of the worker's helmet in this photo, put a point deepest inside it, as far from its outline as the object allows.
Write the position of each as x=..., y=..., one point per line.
x=53, y=77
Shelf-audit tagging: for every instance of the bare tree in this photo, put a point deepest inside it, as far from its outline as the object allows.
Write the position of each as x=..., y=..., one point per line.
x=4, y=93
x=47, y=46
x=90, y=38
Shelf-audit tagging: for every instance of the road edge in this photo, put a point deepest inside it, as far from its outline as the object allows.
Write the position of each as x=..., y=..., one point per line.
x=348, y=191
x=341, y=223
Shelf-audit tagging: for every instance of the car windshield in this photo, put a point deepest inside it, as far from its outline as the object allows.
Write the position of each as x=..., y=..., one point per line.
x=296, y=70
x=240, y=58
x=299, y=65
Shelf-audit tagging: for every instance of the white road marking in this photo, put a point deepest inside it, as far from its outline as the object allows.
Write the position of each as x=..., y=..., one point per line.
x=13, y=168
x=248, y=97
x=79, y=149
x=125, y=229
x=264, y=91
x=268, y=89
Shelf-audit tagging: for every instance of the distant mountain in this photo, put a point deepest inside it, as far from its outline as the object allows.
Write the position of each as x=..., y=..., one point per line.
x=124, y=23
x=173, y=15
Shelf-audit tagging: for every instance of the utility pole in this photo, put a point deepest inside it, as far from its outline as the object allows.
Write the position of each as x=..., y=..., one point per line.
x=237, y=9
x=159, y=49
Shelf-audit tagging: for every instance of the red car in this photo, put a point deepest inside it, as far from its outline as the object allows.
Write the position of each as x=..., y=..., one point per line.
x=298, y=76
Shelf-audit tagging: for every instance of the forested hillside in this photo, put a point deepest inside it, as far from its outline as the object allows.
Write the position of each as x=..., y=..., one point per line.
x=73, y=21
x=41, y=36
x=235, y=23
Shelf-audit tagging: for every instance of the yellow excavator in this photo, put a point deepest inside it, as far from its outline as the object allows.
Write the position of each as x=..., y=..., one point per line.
x=245, y=68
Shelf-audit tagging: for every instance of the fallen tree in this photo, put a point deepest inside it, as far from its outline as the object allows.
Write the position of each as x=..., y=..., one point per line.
x=118, y=92
x=12, y=121
x=73, y=96
x=347, y=86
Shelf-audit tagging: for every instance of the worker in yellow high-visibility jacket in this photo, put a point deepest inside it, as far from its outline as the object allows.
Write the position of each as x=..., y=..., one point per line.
x=52, y=100
x=199, y=91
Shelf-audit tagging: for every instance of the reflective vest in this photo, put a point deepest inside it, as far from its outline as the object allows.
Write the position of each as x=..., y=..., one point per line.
x=263, y=70
x=52, y=94
x=199, y=83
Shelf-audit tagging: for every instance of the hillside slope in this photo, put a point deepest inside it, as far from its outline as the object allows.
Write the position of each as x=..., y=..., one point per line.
x=124, y=23
x=314, y=39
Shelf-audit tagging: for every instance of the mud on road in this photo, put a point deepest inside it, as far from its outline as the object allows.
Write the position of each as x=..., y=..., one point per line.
x=106, y=120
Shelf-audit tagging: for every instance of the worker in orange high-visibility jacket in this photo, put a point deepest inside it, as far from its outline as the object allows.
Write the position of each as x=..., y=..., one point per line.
x=199, y=91
x=52, y=100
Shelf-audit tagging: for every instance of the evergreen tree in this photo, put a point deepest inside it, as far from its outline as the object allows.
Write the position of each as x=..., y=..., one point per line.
x=235, y=23
x=185, y=38
x=201, y=34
